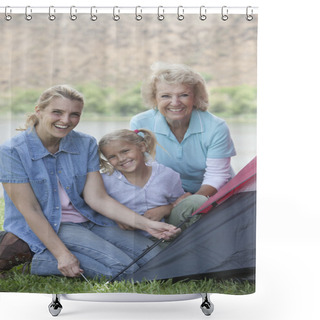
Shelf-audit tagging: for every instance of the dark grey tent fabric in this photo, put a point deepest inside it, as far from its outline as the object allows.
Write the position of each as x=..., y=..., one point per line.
x=222, y=244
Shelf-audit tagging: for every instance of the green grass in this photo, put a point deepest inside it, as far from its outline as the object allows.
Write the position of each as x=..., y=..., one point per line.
x=19, y=280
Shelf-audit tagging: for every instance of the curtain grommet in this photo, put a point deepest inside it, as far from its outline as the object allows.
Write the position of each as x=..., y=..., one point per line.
x=138, y=16
x=203, y=13
x=180, y=13
x=249, y=17
x=93, y=16
x=160, y=15
x=224, y=13
x=28, y=12
x=116, y=17
x=51, y=16
x=7, y=16
x=73, y=11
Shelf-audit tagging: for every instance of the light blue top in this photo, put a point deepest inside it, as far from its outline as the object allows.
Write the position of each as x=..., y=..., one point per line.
x=162, y=188
x=207, y=137
x=24, y=159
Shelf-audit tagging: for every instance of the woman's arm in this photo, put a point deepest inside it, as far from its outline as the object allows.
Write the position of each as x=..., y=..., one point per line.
x=25, y=201
x=96, y=197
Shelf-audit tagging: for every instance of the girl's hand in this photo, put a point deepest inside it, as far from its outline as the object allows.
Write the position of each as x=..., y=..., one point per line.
x=124, y=226
x=158, y=213
x=69, y=265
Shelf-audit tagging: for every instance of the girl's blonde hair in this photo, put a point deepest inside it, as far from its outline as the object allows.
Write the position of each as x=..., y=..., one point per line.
x=175, y=74
x=59, y=91
x=136, y=137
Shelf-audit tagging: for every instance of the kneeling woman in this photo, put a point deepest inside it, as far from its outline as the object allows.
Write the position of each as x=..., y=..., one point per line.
x=55, y=199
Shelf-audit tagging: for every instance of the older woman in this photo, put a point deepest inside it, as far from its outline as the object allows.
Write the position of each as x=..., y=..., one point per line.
x=193, y=141
x=55, y=199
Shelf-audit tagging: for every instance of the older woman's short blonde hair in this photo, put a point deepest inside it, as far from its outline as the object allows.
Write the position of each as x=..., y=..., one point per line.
x=175, y=74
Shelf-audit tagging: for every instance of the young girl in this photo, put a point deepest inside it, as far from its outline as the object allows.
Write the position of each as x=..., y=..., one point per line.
x=145, y=186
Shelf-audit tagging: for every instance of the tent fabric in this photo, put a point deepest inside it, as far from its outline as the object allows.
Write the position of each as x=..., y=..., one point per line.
x=222, y=244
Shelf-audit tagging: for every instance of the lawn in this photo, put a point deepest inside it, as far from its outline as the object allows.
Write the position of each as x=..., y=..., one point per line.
x=19, y=279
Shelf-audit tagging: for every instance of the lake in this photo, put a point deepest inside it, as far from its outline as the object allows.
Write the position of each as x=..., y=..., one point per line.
x=243, y=135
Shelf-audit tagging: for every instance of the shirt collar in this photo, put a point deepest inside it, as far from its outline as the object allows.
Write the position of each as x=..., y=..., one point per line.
x=38, y=151
x=195, y=125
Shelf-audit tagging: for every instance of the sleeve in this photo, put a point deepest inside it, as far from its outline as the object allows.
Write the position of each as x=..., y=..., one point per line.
x=11, y=168
x=175, y=186
x=218, y=172
x=134, y=123
x=93, y=156
x=221, y=144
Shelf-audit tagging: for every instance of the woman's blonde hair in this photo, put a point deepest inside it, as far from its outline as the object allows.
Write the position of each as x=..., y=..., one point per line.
x=175, y=74
x=137, y=137
x=59, y=91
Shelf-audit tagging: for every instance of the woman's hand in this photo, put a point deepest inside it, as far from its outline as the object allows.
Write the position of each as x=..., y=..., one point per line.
x=69, y=265
x=185, y=195
x=161, y=230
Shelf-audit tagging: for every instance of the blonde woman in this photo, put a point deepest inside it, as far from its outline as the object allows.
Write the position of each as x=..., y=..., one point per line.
x=197, y=143
x=55, y=199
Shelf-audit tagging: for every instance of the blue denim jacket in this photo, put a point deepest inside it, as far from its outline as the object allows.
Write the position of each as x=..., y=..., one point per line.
x=24, y=159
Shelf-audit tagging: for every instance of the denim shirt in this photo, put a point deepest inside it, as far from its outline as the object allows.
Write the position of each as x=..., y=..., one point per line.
x=24, y=159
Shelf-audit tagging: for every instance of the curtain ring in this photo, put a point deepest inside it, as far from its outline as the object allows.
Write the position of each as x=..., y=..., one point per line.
x=7, y=16
x=28, y=16
x=138, y=16
x=116, y=17
x=180, y=13
x=93, y=17
x=73, y=15
x=203, y=13
x=224, y=13
x=160, y=16
x=249, y=17
x=52, y=17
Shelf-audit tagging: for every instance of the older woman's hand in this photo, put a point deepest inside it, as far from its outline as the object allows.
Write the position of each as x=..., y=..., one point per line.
x=185, y=195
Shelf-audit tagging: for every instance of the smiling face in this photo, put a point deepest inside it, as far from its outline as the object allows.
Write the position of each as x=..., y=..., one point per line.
x=57, y=119
x=124, y=156
x=175, y=102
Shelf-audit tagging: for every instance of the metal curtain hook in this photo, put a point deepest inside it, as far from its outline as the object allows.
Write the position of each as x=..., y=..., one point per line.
x=7, y=16
x=160, y=16
x=73, y=15
x=138, y=16
x=180, y=13
x=249, y=17
x=28, y=12
x=93, y=16
x=224, y=13
x=52, y=17
x=203, y=13
x=116, y=17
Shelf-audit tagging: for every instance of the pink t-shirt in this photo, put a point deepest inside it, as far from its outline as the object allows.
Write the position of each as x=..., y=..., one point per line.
x=68, y=212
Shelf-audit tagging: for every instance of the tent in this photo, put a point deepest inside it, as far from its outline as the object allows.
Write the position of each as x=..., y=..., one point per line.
x=221, y=245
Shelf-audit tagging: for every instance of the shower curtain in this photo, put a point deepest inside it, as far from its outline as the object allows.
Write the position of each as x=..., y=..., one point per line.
x=106, y=54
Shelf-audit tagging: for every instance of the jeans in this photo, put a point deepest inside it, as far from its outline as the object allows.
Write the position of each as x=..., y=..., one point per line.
x=101, y=251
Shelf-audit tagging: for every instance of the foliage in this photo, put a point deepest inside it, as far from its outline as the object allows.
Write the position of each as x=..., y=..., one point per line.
x=233, y=101
x=110, y=101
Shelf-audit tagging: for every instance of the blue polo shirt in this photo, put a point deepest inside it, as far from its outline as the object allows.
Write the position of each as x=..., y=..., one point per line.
x=24, y=159
x=207, y=137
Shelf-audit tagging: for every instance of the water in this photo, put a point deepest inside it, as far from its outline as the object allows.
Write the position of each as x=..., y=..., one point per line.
x=243, y=135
